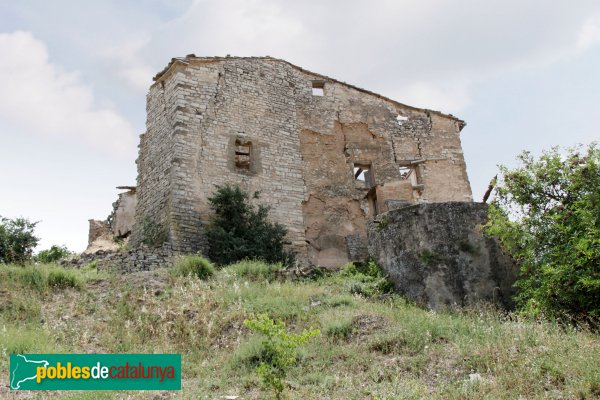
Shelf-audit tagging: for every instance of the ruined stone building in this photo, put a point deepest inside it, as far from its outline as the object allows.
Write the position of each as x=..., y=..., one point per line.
x=325, y=155
x=351, y=174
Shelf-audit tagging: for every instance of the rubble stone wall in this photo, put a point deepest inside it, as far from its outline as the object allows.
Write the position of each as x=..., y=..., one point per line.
x=140, y=259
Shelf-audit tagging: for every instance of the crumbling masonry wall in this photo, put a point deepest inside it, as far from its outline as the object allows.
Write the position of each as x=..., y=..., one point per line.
x=258, y=122
x=346, y=127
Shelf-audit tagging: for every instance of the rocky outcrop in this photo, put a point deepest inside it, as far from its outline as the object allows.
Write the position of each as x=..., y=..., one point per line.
x=436, y=255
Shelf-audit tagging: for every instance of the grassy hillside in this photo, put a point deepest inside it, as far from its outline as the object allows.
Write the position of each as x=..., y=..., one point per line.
x=372, y=345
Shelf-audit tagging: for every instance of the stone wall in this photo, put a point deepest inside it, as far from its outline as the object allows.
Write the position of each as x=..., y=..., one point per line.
x=256, y=122
x=140, y=259
x=436, y=255
x=347, y=127
x=156, y=160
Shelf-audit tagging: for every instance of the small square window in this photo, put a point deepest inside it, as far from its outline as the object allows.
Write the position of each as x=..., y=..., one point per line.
x=409, y=173
x=318, y=88
x=242, y=154
x=362, y=173
x=405, y=173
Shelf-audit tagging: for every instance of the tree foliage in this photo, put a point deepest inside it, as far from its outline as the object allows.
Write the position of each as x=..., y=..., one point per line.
x=16, y=240
x=547, y=216
x=53, y=254
x=239, y=231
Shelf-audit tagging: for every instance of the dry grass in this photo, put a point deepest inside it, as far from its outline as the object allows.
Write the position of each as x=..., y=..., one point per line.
x=377, y=347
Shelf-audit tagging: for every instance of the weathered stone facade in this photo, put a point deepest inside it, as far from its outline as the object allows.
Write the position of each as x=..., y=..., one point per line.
x=436, y=255
x=122, y=219
x=324, y=154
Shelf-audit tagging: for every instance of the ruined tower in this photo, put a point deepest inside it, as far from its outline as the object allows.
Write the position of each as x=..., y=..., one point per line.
x=325, y=155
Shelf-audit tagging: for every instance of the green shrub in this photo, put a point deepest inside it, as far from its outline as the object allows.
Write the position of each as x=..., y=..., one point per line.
x=62, y=279
x=256, y=270
x=366, y=279
x=546, y=214
x=16, y=240
x=240, y=231
x=196, y=266
x=53, y=254
x=280, y=348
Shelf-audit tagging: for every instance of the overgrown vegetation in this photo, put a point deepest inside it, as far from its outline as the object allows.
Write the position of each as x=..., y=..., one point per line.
x=547, y=216
x=239, y=230
x=256, y=270
x=372, y=347
x=42, y=278
x=153, y=233
x=53, y=254
x=280, y=350
x=366, y=279
x=196, y=266
x=17, y=240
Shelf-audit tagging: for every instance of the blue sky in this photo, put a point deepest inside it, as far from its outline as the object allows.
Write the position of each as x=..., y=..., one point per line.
x=523, y=75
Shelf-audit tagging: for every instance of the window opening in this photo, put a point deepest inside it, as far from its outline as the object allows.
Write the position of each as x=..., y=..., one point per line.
x=242, y=154
x=408, y=174
x=318, y=88
x=401, y=119
x=362, y=173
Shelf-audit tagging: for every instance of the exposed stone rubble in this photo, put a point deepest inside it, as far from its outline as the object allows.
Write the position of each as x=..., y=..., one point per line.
x=118, y=225
x=100, y=237
x=436, y=255
x=140, y=259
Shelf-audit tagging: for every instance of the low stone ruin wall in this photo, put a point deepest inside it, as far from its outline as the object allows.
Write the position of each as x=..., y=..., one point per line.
x=141, y=259
x=436, y=255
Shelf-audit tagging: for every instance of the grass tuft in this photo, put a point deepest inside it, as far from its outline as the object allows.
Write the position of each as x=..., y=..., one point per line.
x=196, y=266
x=256, y=270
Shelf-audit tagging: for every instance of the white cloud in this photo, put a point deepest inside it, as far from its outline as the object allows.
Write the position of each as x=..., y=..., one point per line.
x=589, y=35
x=39, y=96
x=126, y=59
x=431, y=52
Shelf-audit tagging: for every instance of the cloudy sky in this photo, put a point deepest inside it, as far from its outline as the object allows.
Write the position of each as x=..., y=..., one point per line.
x=522, y=74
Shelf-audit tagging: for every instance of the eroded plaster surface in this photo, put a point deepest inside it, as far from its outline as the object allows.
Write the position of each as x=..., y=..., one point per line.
x=326, y=156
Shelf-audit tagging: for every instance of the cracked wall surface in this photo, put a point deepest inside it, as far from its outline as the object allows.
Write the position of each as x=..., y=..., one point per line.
x=255, y=122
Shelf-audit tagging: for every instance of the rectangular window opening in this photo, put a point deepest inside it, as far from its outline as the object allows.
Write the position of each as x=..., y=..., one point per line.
x=401, y=119
x=318, y=88
x=362, y=173
x=408, y=174
x=242, y=154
